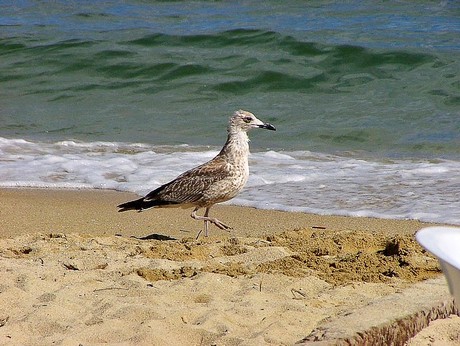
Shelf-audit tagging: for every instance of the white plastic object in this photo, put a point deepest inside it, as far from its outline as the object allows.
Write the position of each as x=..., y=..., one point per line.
x=444, y=243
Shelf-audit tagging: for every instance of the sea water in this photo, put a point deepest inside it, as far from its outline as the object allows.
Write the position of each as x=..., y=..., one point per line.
x=126, y=95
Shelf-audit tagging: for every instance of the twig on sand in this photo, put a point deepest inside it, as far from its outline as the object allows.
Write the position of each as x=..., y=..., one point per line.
x=294, y=292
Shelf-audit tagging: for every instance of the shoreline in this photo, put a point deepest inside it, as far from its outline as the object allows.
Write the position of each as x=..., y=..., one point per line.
x=94, y=211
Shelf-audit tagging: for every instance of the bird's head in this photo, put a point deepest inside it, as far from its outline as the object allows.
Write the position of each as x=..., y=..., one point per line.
x=244, y=121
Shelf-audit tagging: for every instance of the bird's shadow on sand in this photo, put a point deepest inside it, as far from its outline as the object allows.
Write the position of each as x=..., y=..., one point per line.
x=154, y=236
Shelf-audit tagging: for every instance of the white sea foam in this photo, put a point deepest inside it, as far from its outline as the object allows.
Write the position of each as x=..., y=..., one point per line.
x=292, y=181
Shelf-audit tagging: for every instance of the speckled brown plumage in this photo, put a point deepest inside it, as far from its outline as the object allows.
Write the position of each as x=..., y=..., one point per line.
x=215, y=181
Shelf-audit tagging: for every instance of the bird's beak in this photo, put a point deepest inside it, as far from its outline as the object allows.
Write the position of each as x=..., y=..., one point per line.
x=267, y=126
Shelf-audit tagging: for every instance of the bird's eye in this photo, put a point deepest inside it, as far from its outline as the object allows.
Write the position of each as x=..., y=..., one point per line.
x=247, y=119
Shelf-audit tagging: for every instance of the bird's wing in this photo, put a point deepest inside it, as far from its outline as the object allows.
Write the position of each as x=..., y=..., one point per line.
x=190, y=186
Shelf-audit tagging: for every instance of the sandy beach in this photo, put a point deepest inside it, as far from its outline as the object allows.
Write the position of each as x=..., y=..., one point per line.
x=76, y=272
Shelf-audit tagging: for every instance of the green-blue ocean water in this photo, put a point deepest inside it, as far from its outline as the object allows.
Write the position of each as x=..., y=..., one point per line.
x=126, y=95
x=374, y=77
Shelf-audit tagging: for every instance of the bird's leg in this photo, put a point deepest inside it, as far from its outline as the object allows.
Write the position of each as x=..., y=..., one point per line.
x=206, y=222
x=216, y=222
x=208, y=219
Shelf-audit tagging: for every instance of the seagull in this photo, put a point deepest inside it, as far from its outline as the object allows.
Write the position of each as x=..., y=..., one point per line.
x=215, y=181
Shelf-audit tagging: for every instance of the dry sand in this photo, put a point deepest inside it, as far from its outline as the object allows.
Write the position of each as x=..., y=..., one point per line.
x=74, y=271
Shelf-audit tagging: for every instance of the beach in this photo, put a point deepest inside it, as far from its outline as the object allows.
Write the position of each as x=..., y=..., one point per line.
x=74, y=271
x=103, y=102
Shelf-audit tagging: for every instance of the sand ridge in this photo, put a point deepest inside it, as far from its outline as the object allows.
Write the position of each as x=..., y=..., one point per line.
x=228, y=291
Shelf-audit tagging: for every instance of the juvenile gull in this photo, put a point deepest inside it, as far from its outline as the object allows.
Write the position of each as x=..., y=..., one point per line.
x=215, y=181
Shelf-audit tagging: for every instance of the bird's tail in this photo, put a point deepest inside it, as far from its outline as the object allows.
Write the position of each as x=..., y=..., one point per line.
x=139, y=205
